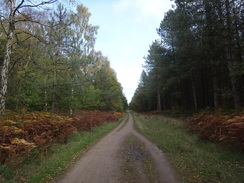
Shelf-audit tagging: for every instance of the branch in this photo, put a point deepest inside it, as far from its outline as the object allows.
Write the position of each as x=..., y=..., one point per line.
x=12, y=67
x=32, y=21
x=4, y=30
x=25, y=17
x=18, y=41
x=18, y=7
x=31, y=35
x=37, y=5
x=15, y=62
x=1, y=20
x=29, y=19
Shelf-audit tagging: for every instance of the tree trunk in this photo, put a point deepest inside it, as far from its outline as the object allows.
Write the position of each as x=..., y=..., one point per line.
x=6, y=61
x=234, y=83
x=212, y=51
x=159, y=108
x=14, y=9
x=46, y=100
x=215, y=87
x=54, y=89
x=4, y=73
x=230, y=56
x=71, y=103
x=194, y=93
x=237, y=35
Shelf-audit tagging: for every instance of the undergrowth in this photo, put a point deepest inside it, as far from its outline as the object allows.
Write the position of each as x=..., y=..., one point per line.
x=24, y=132
x=220, y=127
x=195, y=160
x=42, y=166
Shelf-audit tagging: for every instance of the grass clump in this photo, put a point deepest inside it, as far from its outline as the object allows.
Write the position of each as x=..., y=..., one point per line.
x=193, y=159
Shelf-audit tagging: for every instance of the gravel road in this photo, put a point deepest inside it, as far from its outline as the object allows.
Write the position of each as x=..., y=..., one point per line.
x=101, y=163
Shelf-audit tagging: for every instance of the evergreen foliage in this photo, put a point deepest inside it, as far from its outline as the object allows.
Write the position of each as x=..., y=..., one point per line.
x=198, y=62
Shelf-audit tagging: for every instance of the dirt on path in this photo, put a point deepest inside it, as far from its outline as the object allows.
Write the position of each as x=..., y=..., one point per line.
x=102, y=163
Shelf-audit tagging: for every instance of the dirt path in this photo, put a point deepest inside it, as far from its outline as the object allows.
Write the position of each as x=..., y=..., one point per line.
x=101, y=163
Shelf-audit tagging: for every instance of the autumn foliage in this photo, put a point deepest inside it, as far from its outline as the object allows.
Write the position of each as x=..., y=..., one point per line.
x=228, y=129
x=21, y=132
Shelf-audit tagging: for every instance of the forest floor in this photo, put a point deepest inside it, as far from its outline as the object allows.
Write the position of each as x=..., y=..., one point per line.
x=121, y=156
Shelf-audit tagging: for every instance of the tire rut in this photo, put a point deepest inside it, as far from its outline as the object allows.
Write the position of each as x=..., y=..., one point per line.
x=102, y=162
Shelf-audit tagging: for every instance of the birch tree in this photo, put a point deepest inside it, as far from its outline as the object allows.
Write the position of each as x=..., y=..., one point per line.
x=14, y=13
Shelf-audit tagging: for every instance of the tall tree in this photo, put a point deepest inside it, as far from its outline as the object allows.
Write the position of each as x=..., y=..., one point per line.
x=14, y=14
x=154, y=63
x=203, y=63
x=232, y=48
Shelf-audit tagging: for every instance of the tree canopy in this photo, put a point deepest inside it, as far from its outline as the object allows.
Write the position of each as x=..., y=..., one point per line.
x=198, y=62
x=48, y=60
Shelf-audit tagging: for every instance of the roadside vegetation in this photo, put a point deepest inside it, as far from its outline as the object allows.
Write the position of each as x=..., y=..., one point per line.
x=219, y=127
x=195, y=160
x=48, y=64
x=36, y=146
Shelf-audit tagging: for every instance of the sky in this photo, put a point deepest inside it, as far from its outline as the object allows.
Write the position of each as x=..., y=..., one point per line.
x=126, y=30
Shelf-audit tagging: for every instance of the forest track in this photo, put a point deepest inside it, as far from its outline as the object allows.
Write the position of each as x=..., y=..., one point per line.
x=102, y=163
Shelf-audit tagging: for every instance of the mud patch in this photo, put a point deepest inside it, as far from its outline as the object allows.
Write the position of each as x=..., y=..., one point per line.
x=137, y=166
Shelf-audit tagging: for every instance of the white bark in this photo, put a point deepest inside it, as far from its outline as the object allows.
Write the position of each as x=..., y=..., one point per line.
x=14, y=9
x=4, y=73
x=6, y=61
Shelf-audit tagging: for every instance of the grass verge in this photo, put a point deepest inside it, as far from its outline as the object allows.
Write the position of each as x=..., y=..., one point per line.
x=195, y=161
x=44, y=167
x=125, y=123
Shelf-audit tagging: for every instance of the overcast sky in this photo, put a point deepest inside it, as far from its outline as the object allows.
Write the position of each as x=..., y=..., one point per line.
x=127, y=28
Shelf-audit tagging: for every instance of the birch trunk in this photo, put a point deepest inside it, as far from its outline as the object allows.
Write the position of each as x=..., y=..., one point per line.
x=4, y=73
x=6, y=61
x=14, y=6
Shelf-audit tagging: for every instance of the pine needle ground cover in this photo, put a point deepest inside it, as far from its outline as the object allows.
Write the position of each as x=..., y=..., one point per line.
x=35, y=146
x=195, y=160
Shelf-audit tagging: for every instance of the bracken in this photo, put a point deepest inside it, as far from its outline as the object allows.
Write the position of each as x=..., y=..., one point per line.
x=22, y=131
x=228, y=129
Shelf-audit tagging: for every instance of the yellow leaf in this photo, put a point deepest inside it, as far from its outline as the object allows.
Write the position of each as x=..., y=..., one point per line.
x=5, y=147
x=22, y=141
x=17, y=130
